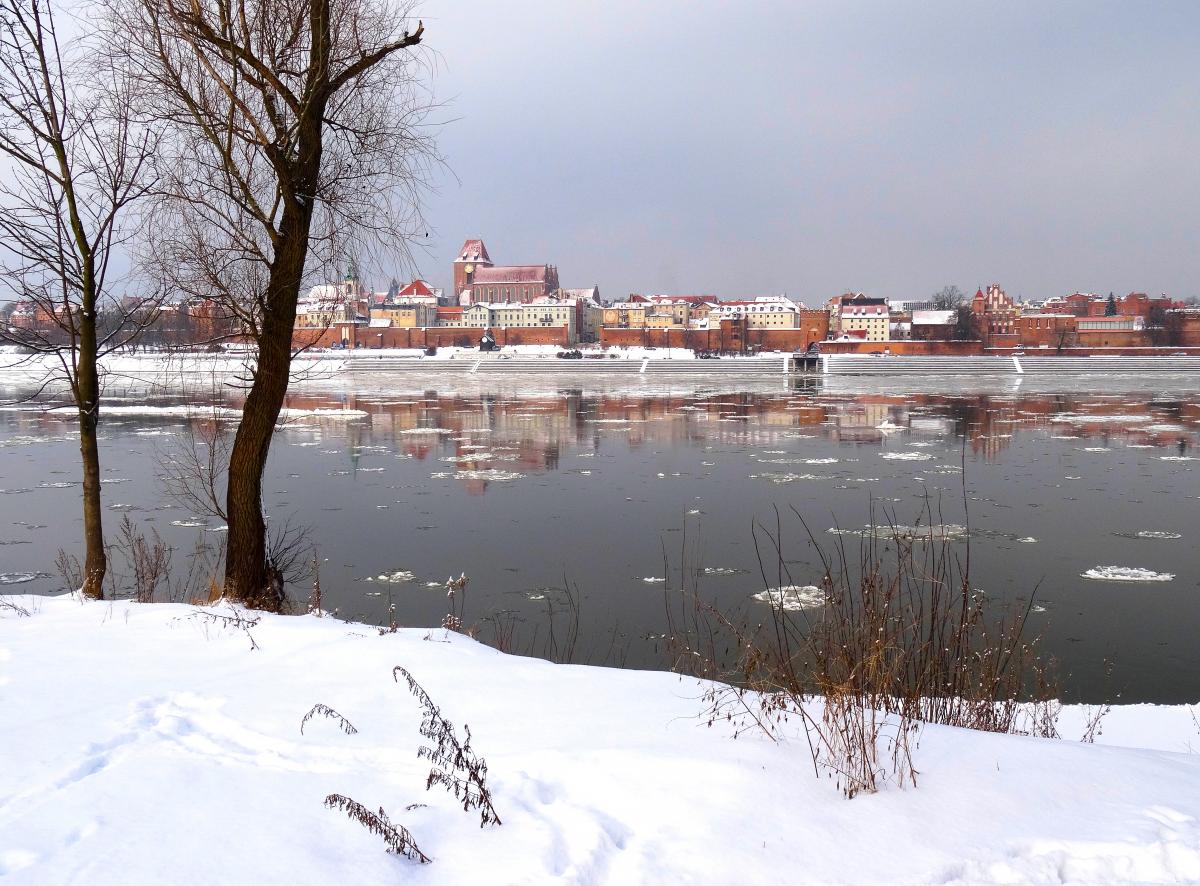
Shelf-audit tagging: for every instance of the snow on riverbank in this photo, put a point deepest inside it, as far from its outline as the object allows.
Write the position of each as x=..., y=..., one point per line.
x=152, y=743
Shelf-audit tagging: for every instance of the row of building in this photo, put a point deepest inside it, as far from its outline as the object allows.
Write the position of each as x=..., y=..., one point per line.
x=527, y=304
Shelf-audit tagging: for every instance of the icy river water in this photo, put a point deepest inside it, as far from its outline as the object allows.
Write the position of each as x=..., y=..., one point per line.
x=624, y=490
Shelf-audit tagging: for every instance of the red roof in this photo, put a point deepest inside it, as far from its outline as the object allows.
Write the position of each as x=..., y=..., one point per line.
x=448, y=311
x=474, y=250
x=416, y=287
x=511, y=274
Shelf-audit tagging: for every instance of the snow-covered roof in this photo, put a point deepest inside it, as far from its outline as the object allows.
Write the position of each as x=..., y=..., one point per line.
x=511, y=274
x=474, y=251
x=933, y=318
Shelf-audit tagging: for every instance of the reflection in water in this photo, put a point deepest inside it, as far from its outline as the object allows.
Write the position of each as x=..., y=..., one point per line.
x=513, y=433
x=528, y=491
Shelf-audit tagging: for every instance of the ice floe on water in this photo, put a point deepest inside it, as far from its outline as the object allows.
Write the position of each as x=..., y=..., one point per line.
x=1178, y=458
x=906, y=456
x=189, y=523
x=1125, y=573
x=56, y=485
x=936, y=532
x=651, y=580
x=792, y=598
x=494, y=474
x=17, y=578
x=427, y=431
x=1149, y=533
x=1078, y=419
x=322, y=413
x=789, y=477
x=398, y=577
x=722, y=570
x=1027, y=540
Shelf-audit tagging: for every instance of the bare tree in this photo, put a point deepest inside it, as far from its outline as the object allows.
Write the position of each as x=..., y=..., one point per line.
x=948, y=298
x=77, y=163
x=294, y=135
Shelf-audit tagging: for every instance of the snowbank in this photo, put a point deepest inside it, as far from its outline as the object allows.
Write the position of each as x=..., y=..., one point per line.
x=143, y=744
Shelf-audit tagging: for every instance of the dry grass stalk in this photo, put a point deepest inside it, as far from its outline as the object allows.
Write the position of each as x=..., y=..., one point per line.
x=397, y=837
x=329, y=713
x=451, y=757
x=900, y=638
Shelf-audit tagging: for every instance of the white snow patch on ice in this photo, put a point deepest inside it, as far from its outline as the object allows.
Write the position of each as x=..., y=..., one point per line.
x=1125, y=573
x=792, y=598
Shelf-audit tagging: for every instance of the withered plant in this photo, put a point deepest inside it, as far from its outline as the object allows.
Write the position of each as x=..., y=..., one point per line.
x=455, y=765
x=397, y=837
x=893, y=636
x=320, y=710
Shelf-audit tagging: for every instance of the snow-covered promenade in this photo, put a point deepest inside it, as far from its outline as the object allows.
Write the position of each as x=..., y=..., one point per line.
x=152, y=743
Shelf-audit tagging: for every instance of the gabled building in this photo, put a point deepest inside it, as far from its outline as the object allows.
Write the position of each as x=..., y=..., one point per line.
x=995, y=312
x=477, y=279
x=858, y=316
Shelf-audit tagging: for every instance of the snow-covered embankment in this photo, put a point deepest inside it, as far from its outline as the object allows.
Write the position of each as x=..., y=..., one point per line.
x=143, y=744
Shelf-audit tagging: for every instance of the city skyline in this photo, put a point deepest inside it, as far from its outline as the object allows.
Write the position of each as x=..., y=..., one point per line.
x=815, y=150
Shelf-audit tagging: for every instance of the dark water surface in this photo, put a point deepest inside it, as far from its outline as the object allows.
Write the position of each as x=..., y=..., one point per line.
x=528, y=484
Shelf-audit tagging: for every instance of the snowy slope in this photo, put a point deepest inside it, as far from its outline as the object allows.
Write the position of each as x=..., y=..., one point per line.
x=148, y=744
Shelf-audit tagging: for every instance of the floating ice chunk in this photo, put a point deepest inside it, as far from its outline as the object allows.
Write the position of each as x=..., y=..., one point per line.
x=693, y=512
x=792, y=598
x=1125, y=573
x=17, y=578
x=493, y=474
x=1096, y=449
x=1149, y=533
x=57, y=485
x=906, y=456
x=1075, y=418
x=651, y=580
x=189, y=523
x=398, y=577
x=427, y=431
x=1027, y=540
x=322, y=413
x=789, y=478
x=1177, y=458
x=722, y=570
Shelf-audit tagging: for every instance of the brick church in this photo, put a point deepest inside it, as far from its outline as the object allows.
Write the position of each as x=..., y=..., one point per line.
x=476, y=279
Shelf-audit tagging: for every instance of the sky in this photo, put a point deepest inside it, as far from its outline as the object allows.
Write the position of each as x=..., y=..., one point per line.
x=811, y=148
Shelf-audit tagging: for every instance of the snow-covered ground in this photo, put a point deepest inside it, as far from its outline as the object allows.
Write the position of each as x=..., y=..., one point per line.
x=147, y=744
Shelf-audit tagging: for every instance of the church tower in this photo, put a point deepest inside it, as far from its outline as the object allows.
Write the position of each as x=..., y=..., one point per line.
x=472, y=256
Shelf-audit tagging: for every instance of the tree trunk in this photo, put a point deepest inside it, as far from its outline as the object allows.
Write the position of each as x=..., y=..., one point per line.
x=247, y=576
x=88, y=401
x=250, y=577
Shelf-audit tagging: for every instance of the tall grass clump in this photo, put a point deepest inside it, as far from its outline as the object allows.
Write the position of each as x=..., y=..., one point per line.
x=893, y=635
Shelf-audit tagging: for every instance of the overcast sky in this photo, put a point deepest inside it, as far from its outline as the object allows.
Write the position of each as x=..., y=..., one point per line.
x=810, y=148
